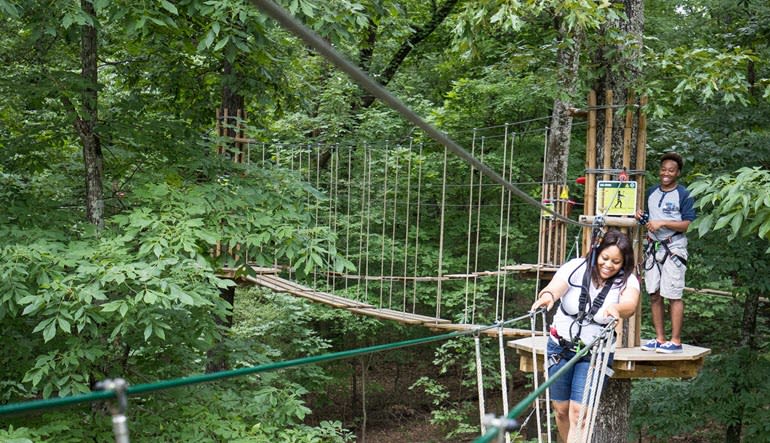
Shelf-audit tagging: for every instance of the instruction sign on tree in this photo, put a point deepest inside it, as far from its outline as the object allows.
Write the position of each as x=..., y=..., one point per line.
x=616, y=197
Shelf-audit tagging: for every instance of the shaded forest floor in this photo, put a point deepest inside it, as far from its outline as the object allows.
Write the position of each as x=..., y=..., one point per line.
x=397, y=414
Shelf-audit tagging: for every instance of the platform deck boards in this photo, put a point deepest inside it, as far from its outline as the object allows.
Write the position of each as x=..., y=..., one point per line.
x=629, y=362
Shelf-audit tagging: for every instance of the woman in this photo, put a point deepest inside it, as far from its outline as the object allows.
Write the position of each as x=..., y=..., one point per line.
x=611, y=290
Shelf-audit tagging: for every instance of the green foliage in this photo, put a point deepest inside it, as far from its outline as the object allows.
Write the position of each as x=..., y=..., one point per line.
x=86, y=307
x=451, y=415
x=740, y=202
x=731, y=390
x=239, y=412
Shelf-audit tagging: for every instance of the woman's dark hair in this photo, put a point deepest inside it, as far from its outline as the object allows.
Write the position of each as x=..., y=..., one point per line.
x=616, y=238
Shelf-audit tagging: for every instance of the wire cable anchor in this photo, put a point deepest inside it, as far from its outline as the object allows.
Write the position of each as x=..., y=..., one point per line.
x=119, y=420
x=504, y=424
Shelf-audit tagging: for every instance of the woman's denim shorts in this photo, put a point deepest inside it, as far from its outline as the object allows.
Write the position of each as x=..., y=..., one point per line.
x=570, y=385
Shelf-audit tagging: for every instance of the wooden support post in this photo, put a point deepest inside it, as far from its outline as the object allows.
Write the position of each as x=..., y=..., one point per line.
x=590, y=185
x=627, y=131
x=607, y=146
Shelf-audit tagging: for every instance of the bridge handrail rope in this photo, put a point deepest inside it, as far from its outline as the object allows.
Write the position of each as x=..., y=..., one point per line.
x=480, y=382
x=508, y=422
x=203, y=378
x=377, y=90
x=533, y=321
x=593, y=390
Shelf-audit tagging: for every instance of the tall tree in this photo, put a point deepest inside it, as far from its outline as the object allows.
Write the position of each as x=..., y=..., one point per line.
x=618, y=55
x=86, y=122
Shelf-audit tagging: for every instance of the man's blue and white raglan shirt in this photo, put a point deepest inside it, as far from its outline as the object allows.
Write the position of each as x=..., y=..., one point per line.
x=675, y=205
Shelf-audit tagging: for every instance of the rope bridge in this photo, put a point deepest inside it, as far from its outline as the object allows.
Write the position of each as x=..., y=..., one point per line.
x=390, y=208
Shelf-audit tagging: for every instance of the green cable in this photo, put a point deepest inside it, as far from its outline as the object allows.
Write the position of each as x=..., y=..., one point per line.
x=524, y=404
x=203, y=378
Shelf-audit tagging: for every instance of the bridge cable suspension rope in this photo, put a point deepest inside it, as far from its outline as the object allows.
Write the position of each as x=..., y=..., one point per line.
x=384, y=212
x=478, y=236
x=441, y=237
x=406, y=222
x=597, y=370
x=327, y=51
x=417, y=226
x=393, y=228
x=470, y=231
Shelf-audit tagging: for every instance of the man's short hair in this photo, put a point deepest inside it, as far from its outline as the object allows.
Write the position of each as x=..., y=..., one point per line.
x=673, y=156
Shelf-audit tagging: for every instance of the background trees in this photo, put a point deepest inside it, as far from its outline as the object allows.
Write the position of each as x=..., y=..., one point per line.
x=113, y=197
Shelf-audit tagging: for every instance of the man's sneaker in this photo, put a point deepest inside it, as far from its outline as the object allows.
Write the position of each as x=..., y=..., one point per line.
x=651, y=345
x=669, y=348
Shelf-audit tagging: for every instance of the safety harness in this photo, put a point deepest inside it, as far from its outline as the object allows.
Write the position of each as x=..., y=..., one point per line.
x=653, y=246
x=586, y=312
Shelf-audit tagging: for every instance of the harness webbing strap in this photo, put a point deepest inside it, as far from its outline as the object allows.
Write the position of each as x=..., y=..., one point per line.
x=651, y=250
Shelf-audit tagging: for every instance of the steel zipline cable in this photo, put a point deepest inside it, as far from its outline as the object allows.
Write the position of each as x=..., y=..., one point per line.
x=313, y=40
x=204, y=378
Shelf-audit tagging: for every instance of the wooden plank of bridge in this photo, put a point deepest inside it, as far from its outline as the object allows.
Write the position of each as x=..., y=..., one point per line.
x=401, y=317
x=278, y=284
x=281, y=285
x=492, y=332
x=230, y=272
x=629, y=362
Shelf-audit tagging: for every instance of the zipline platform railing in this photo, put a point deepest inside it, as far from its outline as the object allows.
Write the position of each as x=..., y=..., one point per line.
x=629, y=362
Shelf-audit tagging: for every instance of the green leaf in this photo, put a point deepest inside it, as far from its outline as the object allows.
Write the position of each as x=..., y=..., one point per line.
x=169, y=7
x=764, y=229
x=723, y=221
x=704, y=224
x=150, y=297
x=221, y=43
x=112, y=306
x=49, y=332
x=43, y=324
x=64, y=325
x=735, y=224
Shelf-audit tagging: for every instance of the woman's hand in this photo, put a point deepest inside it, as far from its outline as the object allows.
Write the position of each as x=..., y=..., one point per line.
x=546, y=299
x=612, y=312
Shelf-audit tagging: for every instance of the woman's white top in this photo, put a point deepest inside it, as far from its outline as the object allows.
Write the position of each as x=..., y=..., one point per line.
x=572, y=272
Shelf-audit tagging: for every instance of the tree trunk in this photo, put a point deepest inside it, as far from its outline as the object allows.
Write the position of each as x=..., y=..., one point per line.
x=233, y=102
x=557, y=155
x=621, y=71
x=232, y=99
x=85, y=123
x=216, y=357
x=418, y=34
x=612, y=417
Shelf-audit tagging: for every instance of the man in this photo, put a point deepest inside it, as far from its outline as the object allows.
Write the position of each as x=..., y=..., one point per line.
x=670, y=209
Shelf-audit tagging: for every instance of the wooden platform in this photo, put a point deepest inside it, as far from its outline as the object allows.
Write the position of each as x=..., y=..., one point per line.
x=629, y=362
